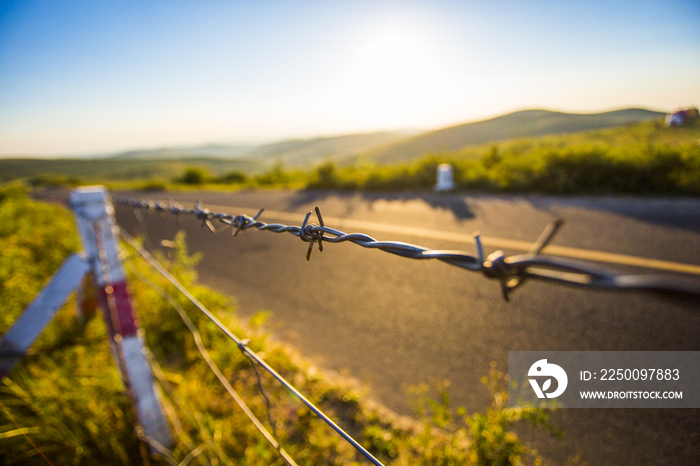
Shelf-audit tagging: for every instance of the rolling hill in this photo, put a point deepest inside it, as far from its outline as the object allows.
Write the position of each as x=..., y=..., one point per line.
x=304, y=152
x=527, y=123
x=292, y=153
x=219, y=151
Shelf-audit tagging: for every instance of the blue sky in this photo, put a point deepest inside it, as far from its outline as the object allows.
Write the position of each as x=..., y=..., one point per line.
x=81, y=77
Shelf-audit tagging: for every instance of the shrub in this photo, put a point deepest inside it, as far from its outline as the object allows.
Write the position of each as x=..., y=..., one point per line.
x=494, y=442
x=325, y=176
x=276, y=175
x=233, y=177
x=194, y=176
x=153, y=186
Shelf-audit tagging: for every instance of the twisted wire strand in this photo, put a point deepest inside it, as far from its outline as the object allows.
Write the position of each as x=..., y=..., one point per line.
x=243, y=346
x=510, y=271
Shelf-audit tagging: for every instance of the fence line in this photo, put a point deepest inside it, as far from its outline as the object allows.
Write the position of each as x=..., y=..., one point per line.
x=243, y=346
x=510, y=271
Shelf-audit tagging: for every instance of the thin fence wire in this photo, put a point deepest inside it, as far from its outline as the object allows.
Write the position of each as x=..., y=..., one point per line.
x=272, y=439
x=510, y=271
x=243, y=347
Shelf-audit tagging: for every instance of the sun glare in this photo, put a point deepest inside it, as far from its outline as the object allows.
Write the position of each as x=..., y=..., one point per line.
x=394, y=74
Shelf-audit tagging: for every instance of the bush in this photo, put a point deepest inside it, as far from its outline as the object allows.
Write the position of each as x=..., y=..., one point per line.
x=275, y=176
x=153, y=186
x=194, y=176
x=325, y=176
x=494, y=442
x=233, y=177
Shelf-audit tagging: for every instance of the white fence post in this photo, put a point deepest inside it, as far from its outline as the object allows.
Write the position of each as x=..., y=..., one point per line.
x=444, y=177
x=98, y=230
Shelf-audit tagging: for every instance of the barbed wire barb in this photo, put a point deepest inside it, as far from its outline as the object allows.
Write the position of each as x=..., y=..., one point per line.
x=547, y=235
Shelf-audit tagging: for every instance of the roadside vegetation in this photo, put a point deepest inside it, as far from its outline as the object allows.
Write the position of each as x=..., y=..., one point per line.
x=644, y=158
x=641, y=159
x=64, y=400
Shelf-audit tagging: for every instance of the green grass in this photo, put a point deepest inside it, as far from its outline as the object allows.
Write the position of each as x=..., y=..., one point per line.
x=65, y=398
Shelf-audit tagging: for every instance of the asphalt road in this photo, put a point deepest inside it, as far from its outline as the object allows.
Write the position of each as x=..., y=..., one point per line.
x=392, y=322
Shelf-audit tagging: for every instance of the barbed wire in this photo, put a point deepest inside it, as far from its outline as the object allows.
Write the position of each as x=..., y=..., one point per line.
x=510, y=271
x=243, y=347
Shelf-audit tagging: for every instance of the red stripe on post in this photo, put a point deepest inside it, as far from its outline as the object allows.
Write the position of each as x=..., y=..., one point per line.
x=125, y=318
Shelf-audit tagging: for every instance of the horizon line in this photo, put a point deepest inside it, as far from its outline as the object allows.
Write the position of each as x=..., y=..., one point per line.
x=112, y=153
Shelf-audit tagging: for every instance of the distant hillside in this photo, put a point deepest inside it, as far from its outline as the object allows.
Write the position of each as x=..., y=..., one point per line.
x=208, y=151
x=292, y=153
x=521, y=124
x=116, y=168
x=304, y=152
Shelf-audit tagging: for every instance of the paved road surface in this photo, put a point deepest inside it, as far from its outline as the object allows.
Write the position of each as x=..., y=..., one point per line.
x=392, y=322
